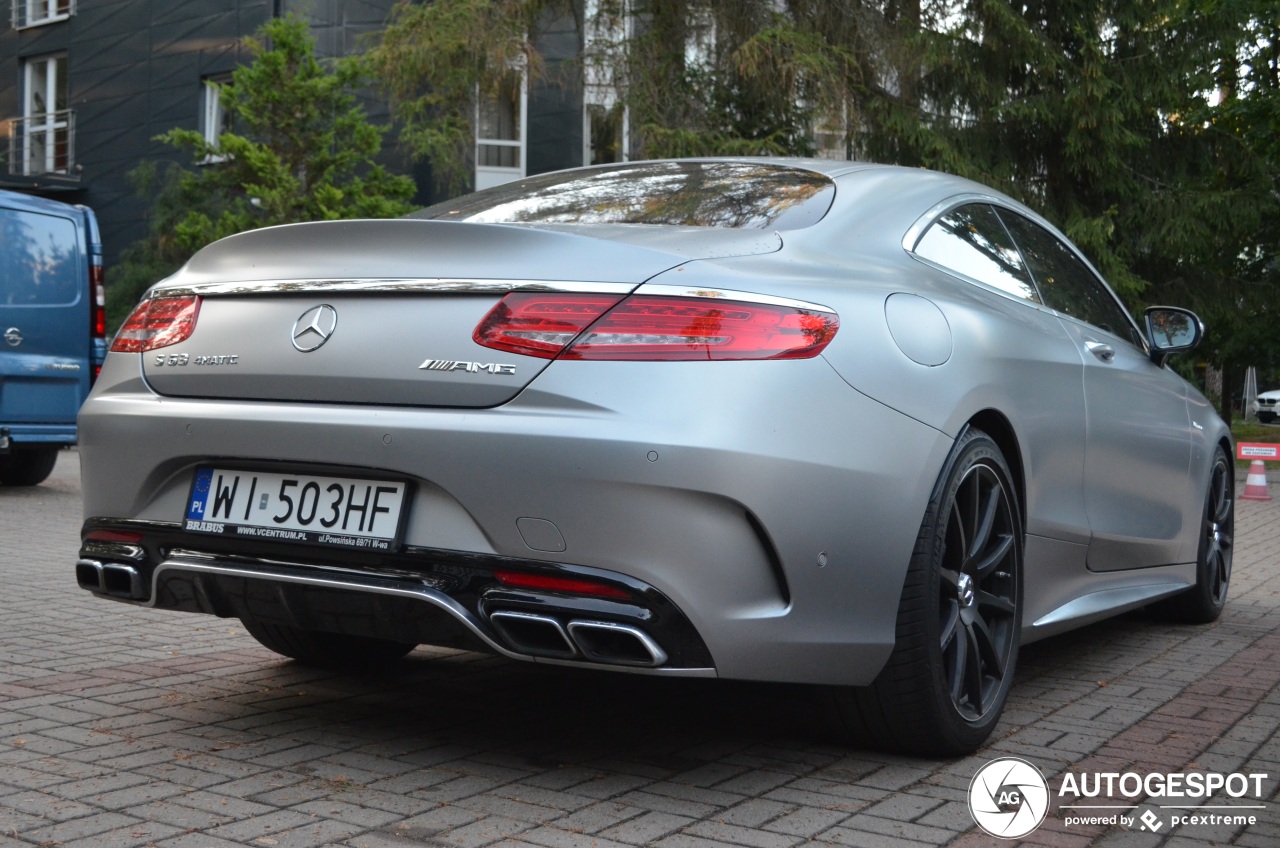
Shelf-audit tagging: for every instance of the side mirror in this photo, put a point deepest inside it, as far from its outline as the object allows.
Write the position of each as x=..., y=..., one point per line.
x=1171, y=329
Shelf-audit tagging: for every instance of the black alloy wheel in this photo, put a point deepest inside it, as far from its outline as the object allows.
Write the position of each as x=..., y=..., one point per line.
x=956, y=644
x=1204, y=601
x=978, y=592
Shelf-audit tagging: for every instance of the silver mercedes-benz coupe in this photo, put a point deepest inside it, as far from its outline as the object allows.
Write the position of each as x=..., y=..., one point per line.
x=831, y=423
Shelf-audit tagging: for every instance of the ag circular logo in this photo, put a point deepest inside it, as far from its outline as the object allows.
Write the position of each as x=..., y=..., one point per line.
x=1008, y=798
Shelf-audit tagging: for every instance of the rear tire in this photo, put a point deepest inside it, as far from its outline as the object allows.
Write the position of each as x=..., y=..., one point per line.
x=1204, y=601
x=956, y=643
x=28, y=467
x=326, y=650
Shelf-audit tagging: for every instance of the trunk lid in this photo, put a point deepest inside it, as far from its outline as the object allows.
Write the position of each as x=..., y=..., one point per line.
x=382, y=312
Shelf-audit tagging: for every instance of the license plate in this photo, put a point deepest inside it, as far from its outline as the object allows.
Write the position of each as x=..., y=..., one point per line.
x=349, y=512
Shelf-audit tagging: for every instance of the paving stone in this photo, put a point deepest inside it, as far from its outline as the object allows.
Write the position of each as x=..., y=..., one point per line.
x=127, y=727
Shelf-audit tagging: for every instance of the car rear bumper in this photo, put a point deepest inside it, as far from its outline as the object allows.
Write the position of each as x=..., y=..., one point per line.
x=36, y=435
x=767, y=505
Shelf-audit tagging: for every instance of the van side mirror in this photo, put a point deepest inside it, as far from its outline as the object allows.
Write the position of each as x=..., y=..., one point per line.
x=1171, y=329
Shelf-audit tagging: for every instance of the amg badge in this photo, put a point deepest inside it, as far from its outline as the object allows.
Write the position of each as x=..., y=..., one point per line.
x=469, y=367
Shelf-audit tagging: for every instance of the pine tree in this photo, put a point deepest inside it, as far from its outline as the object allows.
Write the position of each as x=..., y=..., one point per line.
x=302, y=150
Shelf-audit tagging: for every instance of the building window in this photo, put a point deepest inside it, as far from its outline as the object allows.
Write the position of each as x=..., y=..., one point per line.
x=606, y=33
x=501, y=124
x=215, y=120
x=42, y=140
x=29, y=13
x=605, y=134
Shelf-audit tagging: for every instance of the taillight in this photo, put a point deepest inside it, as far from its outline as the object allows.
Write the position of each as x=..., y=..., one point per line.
x=560, y=584
x=157, y=322
x=97, y=288
x=653, y=327
x=540, y=324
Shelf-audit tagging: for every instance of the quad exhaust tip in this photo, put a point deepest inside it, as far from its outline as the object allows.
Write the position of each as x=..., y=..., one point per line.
x=110, y=578
x=619, y=644
x=597, y=641
x=530, y=633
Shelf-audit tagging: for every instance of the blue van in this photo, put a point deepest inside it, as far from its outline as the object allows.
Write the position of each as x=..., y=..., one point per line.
x=52, y=329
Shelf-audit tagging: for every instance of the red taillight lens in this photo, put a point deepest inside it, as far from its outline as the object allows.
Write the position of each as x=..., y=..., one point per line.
x=98, y=289
x=650, y=327
x=696, y=328
x=158, y=322
x=550, y=583
x=126, y=536
x=540, y=324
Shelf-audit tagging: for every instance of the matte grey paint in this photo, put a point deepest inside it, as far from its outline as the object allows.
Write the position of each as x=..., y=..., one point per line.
x=832, y=456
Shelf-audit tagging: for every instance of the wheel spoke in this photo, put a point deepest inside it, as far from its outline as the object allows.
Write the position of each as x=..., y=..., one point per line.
x=955, y=525
x=950, y=581
x=1223, y=512
x=950, y=625
x=1003, y=606
x=992, y=559
x=984, y=521
x=973, y=672
x=959, y=666
x=987, y=650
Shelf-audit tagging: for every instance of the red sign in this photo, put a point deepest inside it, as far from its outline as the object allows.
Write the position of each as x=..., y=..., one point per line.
x=1254, y=450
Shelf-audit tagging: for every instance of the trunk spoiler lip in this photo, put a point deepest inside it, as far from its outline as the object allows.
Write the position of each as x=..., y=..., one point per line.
x=403, y=285
x=456, y=255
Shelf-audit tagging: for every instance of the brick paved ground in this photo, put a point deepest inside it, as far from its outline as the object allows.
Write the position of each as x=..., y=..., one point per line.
x=122, y=727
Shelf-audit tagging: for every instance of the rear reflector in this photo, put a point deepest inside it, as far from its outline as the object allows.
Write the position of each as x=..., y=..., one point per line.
x=128, y=537
x=157, y=322
x=648, y=327
x=550, y=583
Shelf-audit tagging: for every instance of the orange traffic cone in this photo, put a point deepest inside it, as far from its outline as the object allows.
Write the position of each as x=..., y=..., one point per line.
x=1255, y=486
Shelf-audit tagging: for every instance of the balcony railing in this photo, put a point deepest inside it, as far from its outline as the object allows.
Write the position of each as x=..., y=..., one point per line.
x=43, y=144
x=29, y=13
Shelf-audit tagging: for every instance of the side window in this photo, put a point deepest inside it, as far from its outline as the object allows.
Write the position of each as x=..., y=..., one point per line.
x=1066, y=283
x=972, y=241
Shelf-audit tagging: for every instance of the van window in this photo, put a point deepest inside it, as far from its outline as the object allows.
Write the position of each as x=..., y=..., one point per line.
x=38, y=260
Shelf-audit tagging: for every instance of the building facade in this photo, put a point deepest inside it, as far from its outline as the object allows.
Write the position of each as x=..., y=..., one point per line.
x=87, y=85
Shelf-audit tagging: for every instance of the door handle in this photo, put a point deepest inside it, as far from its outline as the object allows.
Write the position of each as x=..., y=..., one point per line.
x=1103, y=351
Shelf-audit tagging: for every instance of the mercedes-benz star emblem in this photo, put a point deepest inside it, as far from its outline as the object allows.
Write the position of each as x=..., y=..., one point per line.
x=314, y=327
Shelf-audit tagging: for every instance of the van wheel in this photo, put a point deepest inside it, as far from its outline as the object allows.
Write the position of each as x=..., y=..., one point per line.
x=29, y=467
x=326, y=650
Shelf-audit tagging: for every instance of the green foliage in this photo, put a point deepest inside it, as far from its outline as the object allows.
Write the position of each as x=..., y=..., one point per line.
x=303, y=150
x=1147, y=130
x=433, y=59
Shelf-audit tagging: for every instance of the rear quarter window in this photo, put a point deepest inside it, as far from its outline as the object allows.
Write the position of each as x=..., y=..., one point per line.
x=39, y=260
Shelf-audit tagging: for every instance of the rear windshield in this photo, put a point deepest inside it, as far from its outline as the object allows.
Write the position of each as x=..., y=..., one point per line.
x=743, y=195
x=38, y=260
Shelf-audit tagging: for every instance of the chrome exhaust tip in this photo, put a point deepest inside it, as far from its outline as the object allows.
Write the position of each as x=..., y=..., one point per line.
x=616, y=644
x=89, y=575
x=533, y=634
x=110, y=578
x=122, y=581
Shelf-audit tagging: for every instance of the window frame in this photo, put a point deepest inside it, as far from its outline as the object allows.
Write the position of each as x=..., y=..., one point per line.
x=54, y=126
x=488, y=176
x=1002, y=206
x=214, y=119
x=22, y=13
